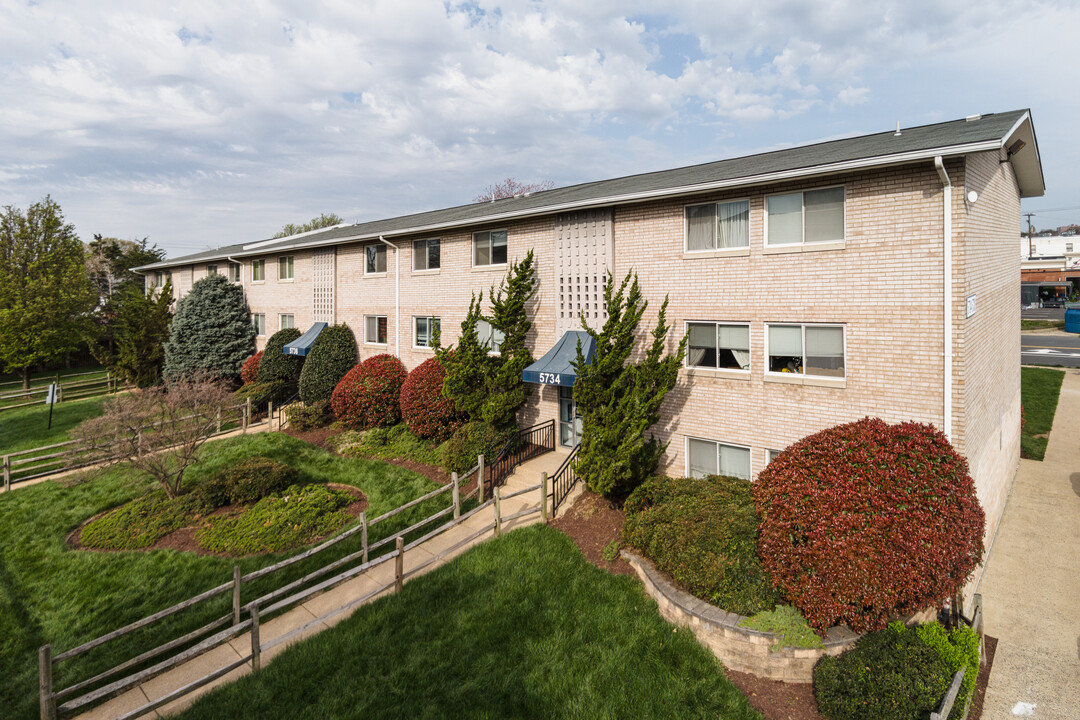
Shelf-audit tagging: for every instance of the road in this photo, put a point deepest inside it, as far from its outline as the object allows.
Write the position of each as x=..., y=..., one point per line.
x=1055, y=349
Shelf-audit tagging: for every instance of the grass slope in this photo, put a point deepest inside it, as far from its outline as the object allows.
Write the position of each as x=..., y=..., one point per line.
x=1039, y=390
x=50, y=594
x=27, y=428
x=522, y=626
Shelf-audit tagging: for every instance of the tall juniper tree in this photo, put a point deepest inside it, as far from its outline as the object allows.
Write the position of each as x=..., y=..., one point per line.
x=468, y=366
x=509, y=314
x=620, y=400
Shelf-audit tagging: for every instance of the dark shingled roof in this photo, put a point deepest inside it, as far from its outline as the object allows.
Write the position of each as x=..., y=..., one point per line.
x=957, y=137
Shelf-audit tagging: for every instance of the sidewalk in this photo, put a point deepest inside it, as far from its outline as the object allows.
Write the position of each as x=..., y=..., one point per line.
x=331, y=607
x=1031, y=585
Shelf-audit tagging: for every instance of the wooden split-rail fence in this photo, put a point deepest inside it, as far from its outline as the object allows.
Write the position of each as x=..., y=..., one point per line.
x=68, y=387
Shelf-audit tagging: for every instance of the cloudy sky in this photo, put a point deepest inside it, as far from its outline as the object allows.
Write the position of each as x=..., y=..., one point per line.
x=217, y=122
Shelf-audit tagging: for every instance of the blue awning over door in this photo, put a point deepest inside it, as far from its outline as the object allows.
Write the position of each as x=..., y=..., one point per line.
x=555, y=367
x=302, y=345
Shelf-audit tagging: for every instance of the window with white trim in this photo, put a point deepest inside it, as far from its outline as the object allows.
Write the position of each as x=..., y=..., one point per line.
x=718, y=346
x=285, y=267
x=375, y=259
x=258, y=320
x=285, y=321
x=770, y=455
x=489, y=335
x=234, y=272
x=805, y=217
x=423, y=329
x=427, y=254
x=718, y=226
x=258, y=270
x=811, y=350
x=375, y=329
x=489, y=248
x=707, y=457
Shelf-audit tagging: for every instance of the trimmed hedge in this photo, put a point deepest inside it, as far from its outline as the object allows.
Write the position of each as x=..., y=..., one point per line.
x=703, y=532
x=250, y=370
x=957, y=648
x=248, y=481
x=332, y=355
x=423, y=407
x=470, y=440
x=279, y=368
x=369, y=394
x=308, y=417
x=867, y=521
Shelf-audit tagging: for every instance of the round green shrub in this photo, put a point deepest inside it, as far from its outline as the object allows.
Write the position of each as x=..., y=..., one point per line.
x=889, y=675
x=316, y=414
x=423, y=407
x=278, y=368
x=254, y=478
x=867, y=521
x=369, y=394
x=703, y=532
x=332, y=355
x=470, y=440
x=211, y=332
x=249, y=372
x=957, y=648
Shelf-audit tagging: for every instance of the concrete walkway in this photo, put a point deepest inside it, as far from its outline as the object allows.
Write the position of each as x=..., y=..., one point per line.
x=1031, y=585
x=331, y=607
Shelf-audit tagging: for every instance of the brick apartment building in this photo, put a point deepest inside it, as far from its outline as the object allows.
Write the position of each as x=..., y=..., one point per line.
x=875, y=275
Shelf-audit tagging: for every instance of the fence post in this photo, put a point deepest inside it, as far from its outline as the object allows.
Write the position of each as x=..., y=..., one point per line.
x=46, y=702
x=480, y=477
x=59, y=390
x=236, y=594
x=7, y=473
x=270, y=416
x=363, y=534
x=219, y=418
x=399, y=565
x=498, y=512
x=456, y=495
x=247, y=414
x=256, y=644
x=543, y=496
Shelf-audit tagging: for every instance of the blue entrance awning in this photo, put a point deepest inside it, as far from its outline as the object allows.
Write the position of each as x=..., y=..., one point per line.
x=302, y=344
x=555, y=367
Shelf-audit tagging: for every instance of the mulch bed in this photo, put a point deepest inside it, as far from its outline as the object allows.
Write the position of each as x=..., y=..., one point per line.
x=593, y=523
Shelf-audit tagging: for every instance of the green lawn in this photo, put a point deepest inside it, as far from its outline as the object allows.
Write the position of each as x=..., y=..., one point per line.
x=26, y=428
x=7, y=382
x=522, y=626
x=1039, y=390
x=50, y=594
x=1041, y=324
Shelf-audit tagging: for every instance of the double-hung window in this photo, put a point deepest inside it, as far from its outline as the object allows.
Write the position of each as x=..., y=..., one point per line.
x=375, y=259
x=424, y=329
x=427, y=254
x=259, y=321
x=285, y=267
x=375, y=329
x=211, y=270
x=805, y=217
x=718, y=346
x=718, y=226
x=258, y=270
x=489, y=248
x=234, y=272
x=811, y=350
x=706, y=457
x=489, y=335
x=285, y=321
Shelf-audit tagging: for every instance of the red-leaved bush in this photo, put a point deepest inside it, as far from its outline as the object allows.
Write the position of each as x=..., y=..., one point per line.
x=423, y=407
x=250, y=369
x=368, y=395
x=866, y=521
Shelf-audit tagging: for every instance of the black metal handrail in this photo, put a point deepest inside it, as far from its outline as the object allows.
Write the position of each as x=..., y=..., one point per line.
x=563, y=481
x=525, y=445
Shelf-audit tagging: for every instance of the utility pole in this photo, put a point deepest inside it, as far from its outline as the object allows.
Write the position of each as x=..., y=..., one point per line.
x=1029, y=216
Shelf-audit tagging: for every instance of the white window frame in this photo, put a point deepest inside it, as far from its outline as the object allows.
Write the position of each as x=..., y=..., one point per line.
x=259, y=263
x=290, y=264
x=823, y=244
x=259, y=325
x=768, y=459
x=239, y=268
x=489, y=343
x=379, y=248
x=376, y=319
x=292, y=321
x=768, y=352
x=717, y=370
x=429, y=318
x=718, y=443
x=491, y=247
x=713, y=252
x=426, y=257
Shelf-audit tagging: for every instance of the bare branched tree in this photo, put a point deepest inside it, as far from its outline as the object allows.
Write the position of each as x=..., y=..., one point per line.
x=511, y=188
x=158, y=431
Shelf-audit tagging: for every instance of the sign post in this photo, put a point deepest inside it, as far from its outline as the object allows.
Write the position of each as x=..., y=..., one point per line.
x=50, y=400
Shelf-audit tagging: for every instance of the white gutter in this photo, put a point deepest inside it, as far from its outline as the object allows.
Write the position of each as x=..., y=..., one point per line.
x=946, y=192
x=397, y=296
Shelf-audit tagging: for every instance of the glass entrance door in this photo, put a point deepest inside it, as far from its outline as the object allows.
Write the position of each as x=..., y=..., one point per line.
x=569, y=419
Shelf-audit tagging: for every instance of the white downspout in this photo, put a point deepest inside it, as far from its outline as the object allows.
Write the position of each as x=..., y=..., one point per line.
x=243, y=288
x=397, y=296
x=947, y=200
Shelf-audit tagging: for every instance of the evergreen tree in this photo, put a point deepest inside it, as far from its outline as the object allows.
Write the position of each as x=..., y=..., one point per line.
x=618, y=400
x=211, y=332
x=140, y=330
x=45, y=295
x=278, y=371
x=108, y=264
x=332, y=355
x=509, y=313
x=468, y=366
